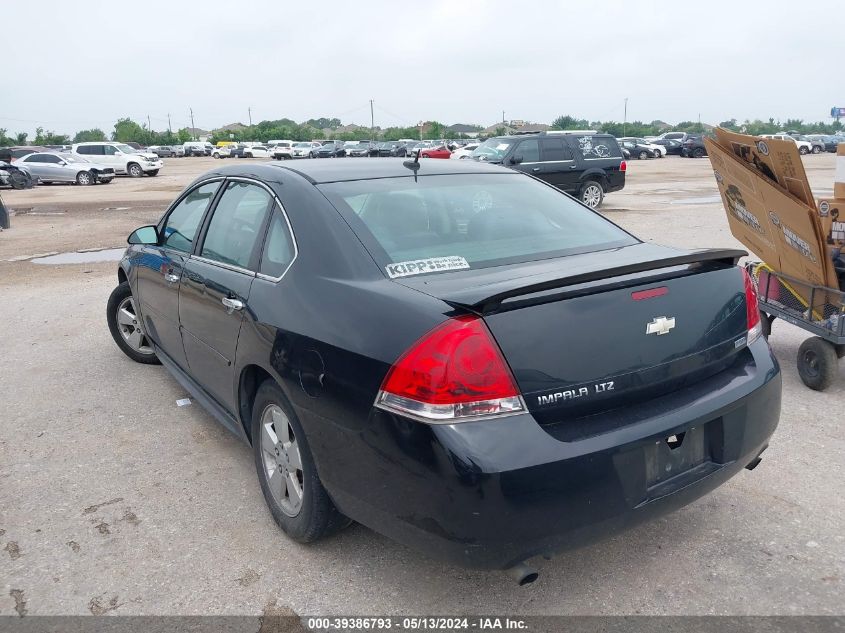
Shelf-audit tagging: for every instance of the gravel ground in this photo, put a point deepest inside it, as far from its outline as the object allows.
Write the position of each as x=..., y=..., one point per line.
x=115, y=500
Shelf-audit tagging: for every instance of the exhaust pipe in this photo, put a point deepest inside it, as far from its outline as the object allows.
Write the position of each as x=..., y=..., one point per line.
x=523, y=573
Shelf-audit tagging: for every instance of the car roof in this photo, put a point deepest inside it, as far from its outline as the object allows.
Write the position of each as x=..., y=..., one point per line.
x=323, y=171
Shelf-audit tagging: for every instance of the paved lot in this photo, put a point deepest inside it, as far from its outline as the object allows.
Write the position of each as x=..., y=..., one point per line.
x=113, y=499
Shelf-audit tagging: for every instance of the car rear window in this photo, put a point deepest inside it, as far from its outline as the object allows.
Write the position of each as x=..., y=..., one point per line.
x=468, y=221
x=598, y=146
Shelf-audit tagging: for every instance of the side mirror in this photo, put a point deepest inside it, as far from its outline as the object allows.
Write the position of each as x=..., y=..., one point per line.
x=144, y=235
x=62, y=163
x=516, y=160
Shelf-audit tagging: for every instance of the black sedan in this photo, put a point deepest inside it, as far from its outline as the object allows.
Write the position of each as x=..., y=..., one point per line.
x=332, y=149
x=672, y=146
x=452, y=353
x=693, y=147
x=637, y=150
x=388, y=148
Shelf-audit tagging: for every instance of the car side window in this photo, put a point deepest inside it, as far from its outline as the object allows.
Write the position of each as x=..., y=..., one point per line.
x=235, y=227
x=529, y=149
x=181, y=226
x=278, y=247
x=554, y=149
x=50, y=158
x=109, y=150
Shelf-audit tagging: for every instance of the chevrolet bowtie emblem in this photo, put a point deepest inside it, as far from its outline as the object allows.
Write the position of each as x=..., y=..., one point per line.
x=660, y=325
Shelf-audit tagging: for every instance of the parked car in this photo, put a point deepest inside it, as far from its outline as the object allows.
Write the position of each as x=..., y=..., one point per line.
x=674, y=136
x=121, y=157
x=655, y=150
x=332, y=149
x=49, y=167
x=464, y=151
x=197, y=148
x=587, y=166
x=257, y=151
x=693, y=147
x=817, y=145
x=162, y=151
x=222, y=151
x=281, y=150
x=804, y=147
x=389, y=148
x=468, y=362
x=178, y=150
x=829, y=141
x=438, y=151
x=237, y=151
x=305, y=149
x=672, y=146
x=11, y=154
x=638, y=150
x=16, y=176
x=358, y=149
x=136, y=146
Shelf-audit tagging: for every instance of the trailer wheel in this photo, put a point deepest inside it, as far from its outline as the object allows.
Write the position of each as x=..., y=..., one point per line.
x=817, y=363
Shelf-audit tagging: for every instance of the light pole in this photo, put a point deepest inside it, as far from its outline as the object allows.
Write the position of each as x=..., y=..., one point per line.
x=193, y=127
x=625, y=117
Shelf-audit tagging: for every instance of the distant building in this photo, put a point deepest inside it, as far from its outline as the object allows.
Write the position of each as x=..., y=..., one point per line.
x=467, y=130
x=497, y=128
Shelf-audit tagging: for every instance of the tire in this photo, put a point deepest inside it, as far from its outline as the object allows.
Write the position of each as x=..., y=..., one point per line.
x=134, y=170
x=591, y=194
x=105, y=181
x=153, y=173
x=315, y=515
x=642, y=155
x=698, y=153
x=803, y=151
x=19, y=180
x=216, y=155
x=85, y=178
x=311, y=155
x=119, y=314
x=818, y=364
x=817, y=149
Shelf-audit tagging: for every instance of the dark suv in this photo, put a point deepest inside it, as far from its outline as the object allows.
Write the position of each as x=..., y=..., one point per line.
x=584, y=165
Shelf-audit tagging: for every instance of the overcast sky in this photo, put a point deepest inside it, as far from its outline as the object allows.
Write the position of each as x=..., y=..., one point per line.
x=78, y=64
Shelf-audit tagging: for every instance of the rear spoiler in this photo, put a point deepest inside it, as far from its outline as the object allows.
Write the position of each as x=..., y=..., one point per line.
x=476, y=299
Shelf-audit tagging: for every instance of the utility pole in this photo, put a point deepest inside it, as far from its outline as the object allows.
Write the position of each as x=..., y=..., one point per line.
x=503, y=117
x=625, y=119
x=249, y=110
x=372, y=123
x=193, y=127
x=149, y=128
x=169, y=129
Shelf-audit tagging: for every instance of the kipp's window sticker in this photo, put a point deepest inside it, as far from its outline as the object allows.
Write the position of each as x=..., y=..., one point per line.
x=422, y=266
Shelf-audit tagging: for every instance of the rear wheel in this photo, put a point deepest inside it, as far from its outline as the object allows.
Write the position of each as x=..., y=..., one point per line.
x=134, y=170
x=816, y=149
x=592, y=194
x=818, y=363
x=125, y=326
x=697, y=153
x=803, y=150
x=286, y=470
x=84, y=178
x=642, y=155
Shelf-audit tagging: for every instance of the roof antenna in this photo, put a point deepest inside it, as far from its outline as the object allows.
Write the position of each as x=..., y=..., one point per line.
x=413, y=165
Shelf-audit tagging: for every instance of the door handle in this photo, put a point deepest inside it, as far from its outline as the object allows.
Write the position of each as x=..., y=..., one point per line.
x=573, y=167
x=535, y=169
x=232, y=304
x=171, y=278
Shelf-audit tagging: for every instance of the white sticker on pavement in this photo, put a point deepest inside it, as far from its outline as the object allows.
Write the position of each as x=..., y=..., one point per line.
x=184, y=402
x=431, y=265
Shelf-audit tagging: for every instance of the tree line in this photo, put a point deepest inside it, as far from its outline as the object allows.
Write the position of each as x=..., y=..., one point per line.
x=655, y=128
x=126, y=129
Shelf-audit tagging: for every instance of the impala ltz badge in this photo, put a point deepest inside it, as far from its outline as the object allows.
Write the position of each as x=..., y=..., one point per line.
x=660, y=325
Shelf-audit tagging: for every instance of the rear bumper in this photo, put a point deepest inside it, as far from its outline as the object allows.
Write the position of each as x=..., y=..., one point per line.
x=489, y=494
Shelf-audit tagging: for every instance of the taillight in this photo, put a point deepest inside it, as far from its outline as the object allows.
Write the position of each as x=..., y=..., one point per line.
x=623, y=166
x=452, y=374
x=752, y=309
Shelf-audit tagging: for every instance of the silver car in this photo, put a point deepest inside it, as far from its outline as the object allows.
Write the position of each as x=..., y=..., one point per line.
x=48, y=167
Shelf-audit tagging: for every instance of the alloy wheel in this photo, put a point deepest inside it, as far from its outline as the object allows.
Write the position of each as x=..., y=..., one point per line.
x=282, y=460
x=592, y=196
x=130, y=328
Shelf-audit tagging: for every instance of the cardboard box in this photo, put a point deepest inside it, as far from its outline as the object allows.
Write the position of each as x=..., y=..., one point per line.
x=832, y=214
x=769, y=204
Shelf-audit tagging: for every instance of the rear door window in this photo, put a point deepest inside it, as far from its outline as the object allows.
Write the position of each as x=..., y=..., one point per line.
x=279, y=248
x=236, y=226
x=182, y=224
x=554, y=149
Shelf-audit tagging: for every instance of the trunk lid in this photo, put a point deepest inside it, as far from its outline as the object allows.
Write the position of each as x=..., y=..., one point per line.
x=613, y=330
